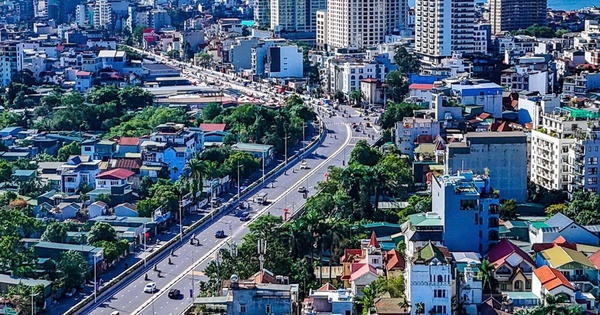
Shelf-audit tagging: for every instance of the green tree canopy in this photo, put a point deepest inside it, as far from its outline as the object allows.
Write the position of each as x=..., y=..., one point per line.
x=73, y=148
x=72, y=268
x=55, y=232
x=102, y=231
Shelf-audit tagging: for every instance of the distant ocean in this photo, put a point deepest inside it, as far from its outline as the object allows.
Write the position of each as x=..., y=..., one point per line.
x=553, y=4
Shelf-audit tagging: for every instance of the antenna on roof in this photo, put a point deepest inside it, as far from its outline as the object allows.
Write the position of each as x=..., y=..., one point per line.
x=262, y=250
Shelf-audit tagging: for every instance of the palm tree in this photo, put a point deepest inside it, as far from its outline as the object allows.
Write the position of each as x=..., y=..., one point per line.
x=554, y=305
x=370, y=293
x=489, y=280
x=420, y=308
x=197, y=169
x=335, y=234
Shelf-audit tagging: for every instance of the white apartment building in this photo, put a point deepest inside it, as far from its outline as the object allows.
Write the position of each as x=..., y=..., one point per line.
x=532, y=106
x=583, y=159
x=322, y=31
x=551, y=145
x=579, y=85
x=345, y=75
x=275, y=58
x=262, y=13
x=362, y=24
x=295, y=15
x=410, y=128
x=443, y=27
x=429, y=279
x=8, y=61
x=481, y=37
x=102, y=14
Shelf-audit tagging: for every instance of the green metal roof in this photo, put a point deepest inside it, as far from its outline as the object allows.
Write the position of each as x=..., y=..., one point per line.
x=429, y=252
x=421, y=219
x=539, y=225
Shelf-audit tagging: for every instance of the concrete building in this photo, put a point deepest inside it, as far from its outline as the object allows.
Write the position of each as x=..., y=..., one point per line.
x=468, y=204
x=482, y=35
x=443, y=27
x=322, y=31
x=275, y=58
x=8, y=64
x=410, y=128
x=583, y=159
x=551, y=144
x=532, y=106
x=501, y=153
x=345, y=74
x=512, y=15
x=361, y=24
x=579, y=85
x=102, y=13
x=429, y=279
x=295, y=15
x=262, y=13
x=327, y=300
x=466, y=92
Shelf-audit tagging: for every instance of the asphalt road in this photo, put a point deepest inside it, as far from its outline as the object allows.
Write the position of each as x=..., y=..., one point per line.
x=184, y=270
x=190, y=260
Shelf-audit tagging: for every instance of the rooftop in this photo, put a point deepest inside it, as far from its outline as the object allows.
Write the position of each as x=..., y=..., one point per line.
x=551, y=278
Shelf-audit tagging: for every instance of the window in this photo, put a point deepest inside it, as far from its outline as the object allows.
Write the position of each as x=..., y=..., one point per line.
x=375, y=261
x=268, y=309
x=592, y=170
x=242, y=308
x=503, y=287
x=592, y=180
x=593, y=160
x=439, y=293
x=87, y=149
x=440, y=309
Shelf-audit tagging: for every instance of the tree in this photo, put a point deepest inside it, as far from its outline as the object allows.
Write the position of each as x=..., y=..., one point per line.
x=73, y=148
x=356, y=96
x=407, y=63
x=10, y=119
x=73, y=269
x=137, y=34
x=339, y=96
x=370, y=293
x=133, y=97
x=247, y=163
x=556, y=208
x=55, y=232
x=102, y=231
x=6, y=170
x=488, y=277
x=211, y=111
x=396, y=112
x=145, y=121
x=205, y=59
x=20, y=296
x=364, y=154
x=106, y=198
x=508, y=210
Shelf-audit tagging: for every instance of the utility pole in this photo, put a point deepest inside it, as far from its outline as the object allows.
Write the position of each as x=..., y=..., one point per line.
x=145, y=252
x=238, y=180
x=304, y=139
x=180, y=218
x=262, y=250
x=263, y=167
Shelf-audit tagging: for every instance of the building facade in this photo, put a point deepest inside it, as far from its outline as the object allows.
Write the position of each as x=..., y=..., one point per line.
x=443, y=27
x=512, y=15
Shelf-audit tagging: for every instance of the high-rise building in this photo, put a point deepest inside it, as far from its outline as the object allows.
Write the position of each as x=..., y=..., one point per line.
x=62, y=11
x=443, y=27
x=512, y=15
x=294, y=15
x=360, y=24
x=262, y=13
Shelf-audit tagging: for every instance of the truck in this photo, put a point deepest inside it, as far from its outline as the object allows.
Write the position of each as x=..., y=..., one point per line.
x=261, y=198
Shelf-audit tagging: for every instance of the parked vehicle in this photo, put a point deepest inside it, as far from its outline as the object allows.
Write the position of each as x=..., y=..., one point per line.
x=150, y=287
x=174, y=293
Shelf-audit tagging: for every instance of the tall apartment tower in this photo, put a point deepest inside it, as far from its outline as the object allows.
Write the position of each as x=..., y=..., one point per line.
x=362, y=23
x=295, y=15
x=262, y=13
x=512, y=15
x=443, y=27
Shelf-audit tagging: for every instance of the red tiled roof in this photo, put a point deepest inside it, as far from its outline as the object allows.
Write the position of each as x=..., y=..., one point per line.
x=424, y=139
x=395, y=260
x=130, y=164
x=498, y=254
x=369, y=80
x=82, y=73
x=327, y=287
x=362, y=271
x=484, y=116
x=420, y=86
x=551, y=278
x=117, y=173
x=212, y=127
x=373, y=241
x=129, y=141
x=559, y=241
x=350, y=252
x=595, y=259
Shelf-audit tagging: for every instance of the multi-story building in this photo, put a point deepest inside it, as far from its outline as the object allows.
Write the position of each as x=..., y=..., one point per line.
x=500, y=154
x=579, y=85
x=513, y=266
x=351, y=24
x=8, y=61
x=275, y=58
x=429, y=280
x=62, y=11
x=102, y=13
x=532, y=106
x=551, y=144
x=345, y=74
x=447, y=99
x=529, y=73
x=262, y=13
x=443, y=27
x=295, y=15
x=583, y=159
x=410, y=128
x=469, y=205
x=512, y=15
x=77, y=171
x=322, y=31
x=482, y=35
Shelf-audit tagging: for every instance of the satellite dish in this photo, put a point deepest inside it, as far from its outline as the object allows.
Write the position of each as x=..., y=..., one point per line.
x=234, y=279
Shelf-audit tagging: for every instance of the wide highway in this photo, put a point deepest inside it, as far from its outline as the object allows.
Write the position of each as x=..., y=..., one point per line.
x=185, y=267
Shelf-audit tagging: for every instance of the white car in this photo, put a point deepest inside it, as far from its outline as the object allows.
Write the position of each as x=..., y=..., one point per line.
x=150, y=287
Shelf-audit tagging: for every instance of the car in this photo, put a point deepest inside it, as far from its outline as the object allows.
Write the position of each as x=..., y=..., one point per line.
x=368, y=125
x=302, y=189
x=220, y=234
x=150, y=287
x=115, y=313
x=304, y=165
x=174, y=293
x=70, y=292
x=245, y=216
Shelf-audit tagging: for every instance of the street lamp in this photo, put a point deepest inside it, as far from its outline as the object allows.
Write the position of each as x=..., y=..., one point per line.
x=145, y=252
x=32, y=301
x=238, y=180
x=286, y=159
x=96, y=277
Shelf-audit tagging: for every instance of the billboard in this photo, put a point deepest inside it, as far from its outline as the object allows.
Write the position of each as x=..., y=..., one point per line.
x=149, y=36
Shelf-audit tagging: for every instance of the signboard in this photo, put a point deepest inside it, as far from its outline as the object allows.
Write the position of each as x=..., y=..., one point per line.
x=149, y=36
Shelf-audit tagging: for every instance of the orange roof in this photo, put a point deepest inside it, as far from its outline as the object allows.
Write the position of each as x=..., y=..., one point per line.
x=327, y=287
x=395, y=260
x=551, y=278
x=212, y=127
x=117, y=173
x=595, y=259
x=421, y=86
x=129, y=141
